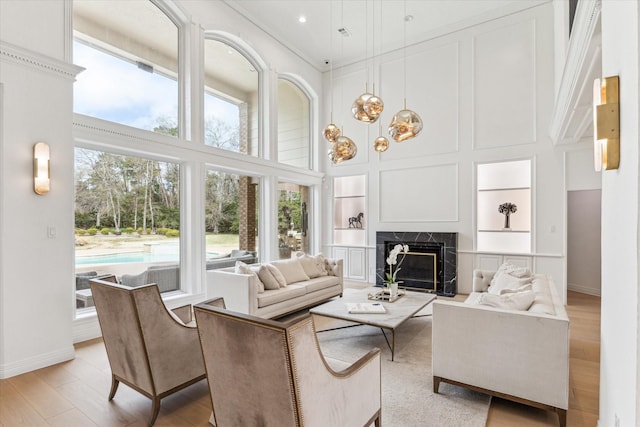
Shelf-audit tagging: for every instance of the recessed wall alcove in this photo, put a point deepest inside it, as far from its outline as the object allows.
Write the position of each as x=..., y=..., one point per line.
x=431, y=264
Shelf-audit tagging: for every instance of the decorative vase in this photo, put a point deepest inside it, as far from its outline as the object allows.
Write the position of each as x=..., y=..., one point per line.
x=393, y=289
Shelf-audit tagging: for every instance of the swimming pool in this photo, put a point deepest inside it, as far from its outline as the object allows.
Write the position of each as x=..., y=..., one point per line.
x=127, y=257
x=130, y=257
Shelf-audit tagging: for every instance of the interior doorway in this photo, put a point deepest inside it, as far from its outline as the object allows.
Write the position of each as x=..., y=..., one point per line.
x=584, y=241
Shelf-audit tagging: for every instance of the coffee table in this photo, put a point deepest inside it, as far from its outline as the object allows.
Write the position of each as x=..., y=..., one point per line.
x=397, y=312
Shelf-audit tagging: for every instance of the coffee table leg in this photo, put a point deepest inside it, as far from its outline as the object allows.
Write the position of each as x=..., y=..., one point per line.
x=392, y=344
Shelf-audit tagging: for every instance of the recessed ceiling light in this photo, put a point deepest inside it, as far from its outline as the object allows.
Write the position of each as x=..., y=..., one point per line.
x=302, y=19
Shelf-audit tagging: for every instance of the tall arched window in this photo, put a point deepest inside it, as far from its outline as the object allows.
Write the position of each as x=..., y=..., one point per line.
x=130, y=53
x=293, y=125
x=231, y=99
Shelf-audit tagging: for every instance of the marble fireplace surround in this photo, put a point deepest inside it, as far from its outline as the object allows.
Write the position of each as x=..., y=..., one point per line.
x=449, y=265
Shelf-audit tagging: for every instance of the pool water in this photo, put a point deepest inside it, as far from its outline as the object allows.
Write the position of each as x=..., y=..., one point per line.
x=123, y=258
x=130, y=257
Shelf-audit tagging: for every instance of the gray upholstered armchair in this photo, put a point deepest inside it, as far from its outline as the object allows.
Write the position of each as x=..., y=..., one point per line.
x=267, y=373
x=150, y=349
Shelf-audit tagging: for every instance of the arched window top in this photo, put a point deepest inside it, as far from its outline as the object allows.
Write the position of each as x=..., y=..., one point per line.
x=232, y=95
x=294, y=122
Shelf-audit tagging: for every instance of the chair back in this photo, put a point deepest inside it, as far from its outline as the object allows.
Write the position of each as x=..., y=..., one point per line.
x=122, y=333
x=249, y=370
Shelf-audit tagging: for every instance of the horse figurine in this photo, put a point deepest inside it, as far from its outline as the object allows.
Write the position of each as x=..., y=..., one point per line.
x=356, y=221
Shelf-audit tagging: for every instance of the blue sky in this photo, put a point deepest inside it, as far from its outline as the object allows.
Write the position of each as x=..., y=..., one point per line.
x=116, y=90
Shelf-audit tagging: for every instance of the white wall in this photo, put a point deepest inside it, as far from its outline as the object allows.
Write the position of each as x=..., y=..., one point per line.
x=37, y=323
x=583, y=241
x=36, y=244
x=620, y=329
x=485, y=94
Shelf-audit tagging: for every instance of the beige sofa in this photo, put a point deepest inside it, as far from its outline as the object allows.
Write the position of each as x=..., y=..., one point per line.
x=248, y=289
x=519, y=354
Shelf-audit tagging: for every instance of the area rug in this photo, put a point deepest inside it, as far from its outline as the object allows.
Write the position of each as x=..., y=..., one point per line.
x=407, y=386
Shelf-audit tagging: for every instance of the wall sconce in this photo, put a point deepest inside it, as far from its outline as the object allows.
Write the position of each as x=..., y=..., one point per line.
x=606, y=124
x=41, y=168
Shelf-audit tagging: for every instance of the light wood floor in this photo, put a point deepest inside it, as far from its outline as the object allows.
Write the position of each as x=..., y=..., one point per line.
x=74, y=393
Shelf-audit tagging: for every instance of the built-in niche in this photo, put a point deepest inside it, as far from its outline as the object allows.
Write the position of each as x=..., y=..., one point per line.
x=503, y=206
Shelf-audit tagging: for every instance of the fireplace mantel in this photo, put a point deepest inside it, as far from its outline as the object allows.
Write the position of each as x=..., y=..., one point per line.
x=449, y=241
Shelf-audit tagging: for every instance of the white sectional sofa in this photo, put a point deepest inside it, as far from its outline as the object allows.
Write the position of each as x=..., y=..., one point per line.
x=518, y=352
x=303, y=281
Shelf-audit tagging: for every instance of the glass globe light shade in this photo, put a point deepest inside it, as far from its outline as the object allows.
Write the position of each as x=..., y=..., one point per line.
x=331, y=132
x=333, y=155
x=406, y=124
x=373, y=107
x=381, y=144
x=345, y=148
x=358, y=109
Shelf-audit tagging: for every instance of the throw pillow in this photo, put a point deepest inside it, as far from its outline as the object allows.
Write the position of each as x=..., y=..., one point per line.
x=282, y=282
x=291, y=270
x=513, y=270
x=507, y=282
x=243, y=268
x=267, y=277
x=332, y=266
x=515, y=301
x=313, y=266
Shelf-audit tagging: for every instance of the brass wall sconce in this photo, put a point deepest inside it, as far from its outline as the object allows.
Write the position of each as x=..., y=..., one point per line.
x=41, y=168
x=606, y=123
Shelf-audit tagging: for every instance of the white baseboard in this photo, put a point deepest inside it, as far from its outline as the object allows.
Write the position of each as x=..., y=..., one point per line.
x=583, y=289
x=40, y=361
x=86, y=328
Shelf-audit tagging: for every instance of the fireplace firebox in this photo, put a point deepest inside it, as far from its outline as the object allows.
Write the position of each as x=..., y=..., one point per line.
x=430, y=265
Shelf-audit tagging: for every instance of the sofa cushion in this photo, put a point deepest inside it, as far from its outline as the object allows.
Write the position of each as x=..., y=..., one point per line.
x=332, y=266
x=513, y=301
x=513, y=270
x=291, y=270
x=273, y=296
x=314, y=266
x=268, y=279
x=243, y=268
x=506, y=283
x=318, y=283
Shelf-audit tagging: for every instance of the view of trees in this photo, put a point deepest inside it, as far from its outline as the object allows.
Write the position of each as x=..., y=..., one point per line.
x=126, y=192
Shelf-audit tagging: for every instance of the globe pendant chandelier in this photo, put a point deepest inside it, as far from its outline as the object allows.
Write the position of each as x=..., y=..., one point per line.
x=331, y=132
x=367, y=107
x=343, y=149
x=381, y=144
x=405, y=124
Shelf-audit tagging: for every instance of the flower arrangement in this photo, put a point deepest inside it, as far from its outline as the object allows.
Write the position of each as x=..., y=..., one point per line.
x=392, y=259
x=507, y=209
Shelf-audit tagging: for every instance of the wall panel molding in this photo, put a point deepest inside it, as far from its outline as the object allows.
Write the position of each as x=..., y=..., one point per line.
x=429, y=194
x=504, y=82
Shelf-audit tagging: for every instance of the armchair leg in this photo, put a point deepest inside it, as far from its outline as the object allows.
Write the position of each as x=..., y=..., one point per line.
x=436, y=384
x=562, y=416
x=155, y=409
x=114, y=387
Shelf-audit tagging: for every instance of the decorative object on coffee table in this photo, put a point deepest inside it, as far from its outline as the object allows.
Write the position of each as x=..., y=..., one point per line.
x=507, y=209
x=390, y=281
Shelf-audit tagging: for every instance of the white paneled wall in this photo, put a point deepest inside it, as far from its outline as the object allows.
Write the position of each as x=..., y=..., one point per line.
x=485, y=94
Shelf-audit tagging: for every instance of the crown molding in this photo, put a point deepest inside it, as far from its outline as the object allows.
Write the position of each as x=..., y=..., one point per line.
x=580, y=66
x=38, y=61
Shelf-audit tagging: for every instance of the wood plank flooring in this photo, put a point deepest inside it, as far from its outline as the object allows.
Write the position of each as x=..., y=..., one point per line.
x=74, y=393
